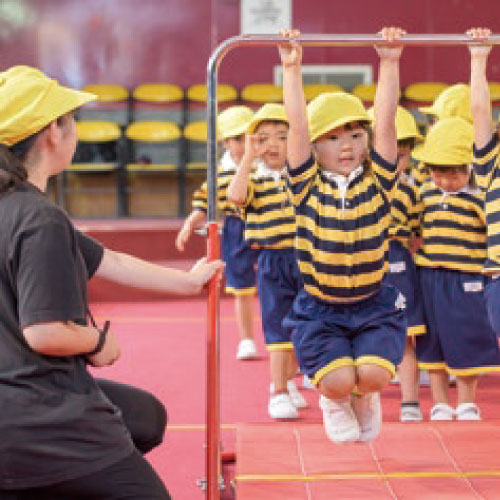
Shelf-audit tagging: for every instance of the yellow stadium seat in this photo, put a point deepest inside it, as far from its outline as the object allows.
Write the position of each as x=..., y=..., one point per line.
x=424, y=91
x=155, y=143
x=311, y=90
x=255, y=95
x=111, y=105
x=196, y=96
x=158, y=102
x=196, y=137
x=365, y=92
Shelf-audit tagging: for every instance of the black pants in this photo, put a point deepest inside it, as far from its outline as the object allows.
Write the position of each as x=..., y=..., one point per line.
x=130, y=479
x=144, y=416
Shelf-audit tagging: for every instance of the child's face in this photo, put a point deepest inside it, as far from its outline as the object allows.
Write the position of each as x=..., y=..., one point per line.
x=236, y=147
x=342, y=149
x=450, y=178
x=273, y=136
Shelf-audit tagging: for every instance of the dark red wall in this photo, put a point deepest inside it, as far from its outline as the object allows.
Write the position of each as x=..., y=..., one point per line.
x=132, y=41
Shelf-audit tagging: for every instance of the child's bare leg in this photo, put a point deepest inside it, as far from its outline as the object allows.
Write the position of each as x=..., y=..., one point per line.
x=338, y=383
x=466, y=389
x=278, y=362
x=408, y=373
x=439, y=386
x=372, y=378
x=297, y=399
x=244, y=309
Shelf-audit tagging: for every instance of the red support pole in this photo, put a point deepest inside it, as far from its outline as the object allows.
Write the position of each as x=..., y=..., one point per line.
x=213, y=458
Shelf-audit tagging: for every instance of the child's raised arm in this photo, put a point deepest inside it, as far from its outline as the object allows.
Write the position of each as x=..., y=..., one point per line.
x=299, y=146
x=479, y=90
x=387, y=95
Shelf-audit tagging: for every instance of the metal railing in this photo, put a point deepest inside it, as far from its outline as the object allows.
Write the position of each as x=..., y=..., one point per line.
x=213, y=464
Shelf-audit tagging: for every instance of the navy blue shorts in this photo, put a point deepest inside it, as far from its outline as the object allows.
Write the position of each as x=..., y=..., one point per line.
x=402, y=274
x=492, y=296
x=278, y=280
x=239, y=257
x=328, y=336
x=459, y=337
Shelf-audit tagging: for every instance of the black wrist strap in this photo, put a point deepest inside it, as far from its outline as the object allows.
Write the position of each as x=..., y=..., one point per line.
x=102, y=339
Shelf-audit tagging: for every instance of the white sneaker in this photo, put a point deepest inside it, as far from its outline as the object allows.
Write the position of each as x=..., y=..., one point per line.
x=410, y=413
x=468, y=412
x=368, y=412
x=307, y=384
x=395, y=379
x=246, y=349
x=442, y=412
x=339, y=420
x=281, y=407
x=297, y=399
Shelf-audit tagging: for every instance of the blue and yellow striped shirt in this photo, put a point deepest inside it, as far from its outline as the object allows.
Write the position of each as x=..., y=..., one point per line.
x=342, y=229
x=486, y=168
x=404, y=218
x=453, y=228
x=225, y=173
x=268, y=212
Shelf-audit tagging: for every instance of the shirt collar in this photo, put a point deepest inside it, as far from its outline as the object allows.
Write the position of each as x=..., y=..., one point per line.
x=342, y=180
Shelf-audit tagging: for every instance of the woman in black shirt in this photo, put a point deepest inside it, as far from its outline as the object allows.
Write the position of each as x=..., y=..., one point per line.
x=62, y=438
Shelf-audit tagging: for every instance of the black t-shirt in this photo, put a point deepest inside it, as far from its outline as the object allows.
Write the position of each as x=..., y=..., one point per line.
x=55, y=423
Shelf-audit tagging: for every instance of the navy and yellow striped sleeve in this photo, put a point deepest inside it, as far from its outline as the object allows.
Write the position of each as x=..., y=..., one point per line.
x=485, y=161
x=385, y=173
x=404, y=212
x=301, y=180
x=199, y=200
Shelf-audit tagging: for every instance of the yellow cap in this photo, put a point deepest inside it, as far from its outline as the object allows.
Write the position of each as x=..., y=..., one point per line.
x=448, y=142
x=153, y=131
x=233, y=121
x=269, y=112
x=406, y=126
x=365, y=91
x=332, y=110
x=30, y=101
x=97, y=131
x=453, y=101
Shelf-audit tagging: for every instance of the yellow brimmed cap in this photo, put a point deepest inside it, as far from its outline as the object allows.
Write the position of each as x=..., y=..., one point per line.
x=406, y=126
x=29, y=101
x=332, y=110
x=269, y=112
x=453, y=101
x=448, y=142
x=233, y=121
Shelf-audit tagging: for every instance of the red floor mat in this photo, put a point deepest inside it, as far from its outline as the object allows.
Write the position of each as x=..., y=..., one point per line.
x=407, y=462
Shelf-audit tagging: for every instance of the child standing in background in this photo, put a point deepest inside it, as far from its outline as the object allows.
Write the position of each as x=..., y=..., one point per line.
x=270, y=226
x=349, y=327
x=402, y=272
x=459, y=339
x=240, y=259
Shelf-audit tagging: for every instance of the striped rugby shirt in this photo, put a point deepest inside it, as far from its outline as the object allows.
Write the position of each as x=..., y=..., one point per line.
x=225, y=173
x=404, y=218
x=453, y=228
x=487, y=172
x=342, y=226
x=268, y=212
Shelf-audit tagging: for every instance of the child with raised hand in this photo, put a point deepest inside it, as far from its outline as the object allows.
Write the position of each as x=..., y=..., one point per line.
x=459, y=339
x=486, y=164
x=349, y=327
x=402, y=272
x=240, y=259
x=270, y=226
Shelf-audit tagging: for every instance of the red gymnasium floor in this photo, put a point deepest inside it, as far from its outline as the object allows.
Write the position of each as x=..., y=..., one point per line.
x=163, y=344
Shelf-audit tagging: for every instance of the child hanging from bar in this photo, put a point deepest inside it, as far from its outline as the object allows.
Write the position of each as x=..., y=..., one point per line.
x=486, y=165
x=459, y=339
x=349, y=327
x=402, y=272
x=270, y=226
x=240, y=259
